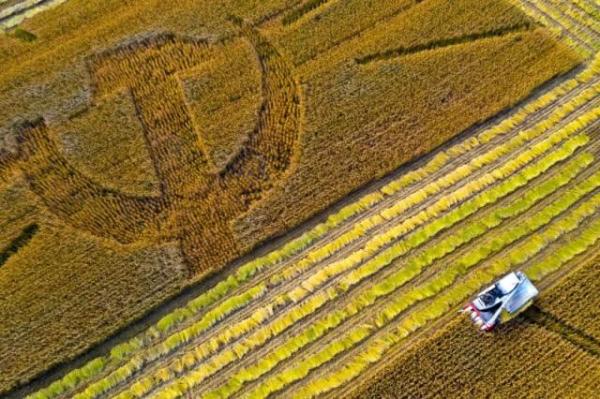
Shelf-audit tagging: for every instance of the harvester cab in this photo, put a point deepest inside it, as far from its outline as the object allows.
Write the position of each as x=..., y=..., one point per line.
x=502, y=301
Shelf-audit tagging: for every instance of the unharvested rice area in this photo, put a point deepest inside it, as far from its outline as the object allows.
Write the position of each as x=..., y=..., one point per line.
x=521, y=359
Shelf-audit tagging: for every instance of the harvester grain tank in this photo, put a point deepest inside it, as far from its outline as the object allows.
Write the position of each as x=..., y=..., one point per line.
x=501, y=301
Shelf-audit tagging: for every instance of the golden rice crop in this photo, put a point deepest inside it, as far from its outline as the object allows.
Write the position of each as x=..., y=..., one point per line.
x=449, y=364
x=161, y=143
x=307, y=307
x=573, y=301
x=254, y=267
x=438, y=306
x=416, y=319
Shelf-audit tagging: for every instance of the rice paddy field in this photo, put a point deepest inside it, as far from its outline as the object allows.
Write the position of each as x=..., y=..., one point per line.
x=293, y=198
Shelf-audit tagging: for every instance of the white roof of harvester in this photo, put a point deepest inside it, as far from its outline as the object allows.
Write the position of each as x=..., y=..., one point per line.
x=507, y=283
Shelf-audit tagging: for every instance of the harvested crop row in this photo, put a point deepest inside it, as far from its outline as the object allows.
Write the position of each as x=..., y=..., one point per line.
x=573, y=249
x=578, y=15
x=377, y=245
x=399, y=377
x=317, y=301
x=439, y=305
x=251, y=269
x=567, y=30
x=588, y=8
x=560, y=13
x=14, y=15
x=259, y=355
x=399, y=305
x=185, y=335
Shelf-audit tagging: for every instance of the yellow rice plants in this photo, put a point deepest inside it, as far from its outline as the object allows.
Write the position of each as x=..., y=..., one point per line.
x=585, y=17
x=573, y=301
x=561, y=16
x=374, y=351
x=588, y=8
x=380, y=240
x=295, y=162
x=559, y=30
x=440, y=24
x=328, y=272
x=313, y=303
x=448, y=364
x=305, y=39
x=502, y=128
x=398, y=305
x=342, y=85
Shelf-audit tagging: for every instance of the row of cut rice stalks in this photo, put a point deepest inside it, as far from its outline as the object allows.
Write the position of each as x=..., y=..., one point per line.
x=573, y=22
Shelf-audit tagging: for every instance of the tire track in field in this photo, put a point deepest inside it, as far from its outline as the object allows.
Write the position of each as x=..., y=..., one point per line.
x=18, y=8
x=487, y=238
x=443, y=43
x=588, y=35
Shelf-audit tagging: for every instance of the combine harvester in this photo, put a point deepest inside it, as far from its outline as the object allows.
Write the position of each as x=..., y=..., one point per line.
x=501, y=301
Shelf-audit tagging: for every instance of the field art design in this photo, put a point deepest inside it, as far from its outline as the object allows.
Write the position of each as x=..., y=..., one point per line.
x=147, y=70
x=293, y=199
